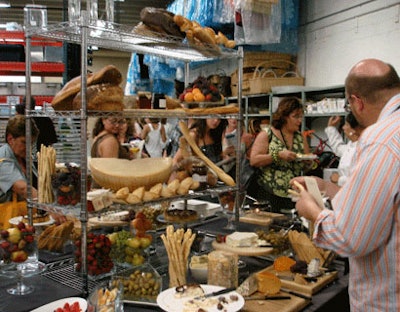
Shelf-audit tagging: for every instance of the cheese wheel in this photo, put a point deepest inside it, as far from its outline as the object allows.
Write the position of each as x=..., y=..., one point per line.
x=114, y=173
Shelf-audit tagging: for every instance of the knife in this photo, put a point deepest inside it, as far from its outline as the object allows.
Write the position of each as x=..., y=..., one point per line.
x=268, y=298
x=295, y=293
x=216, y=293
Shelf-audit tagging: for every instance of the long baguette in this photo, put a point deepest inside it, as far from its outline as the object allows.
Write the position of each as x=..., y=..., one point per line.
x=220, y=173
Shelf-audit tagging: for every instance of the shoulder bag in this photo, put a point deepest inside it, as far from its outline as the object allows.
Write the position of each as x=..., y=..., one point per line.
x=248, y=173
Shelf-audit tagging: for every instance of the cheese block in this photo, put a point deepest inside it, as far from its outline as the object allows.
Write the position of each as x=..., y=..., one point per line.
x=268, y=283
x=114, y=173
x=242, y=239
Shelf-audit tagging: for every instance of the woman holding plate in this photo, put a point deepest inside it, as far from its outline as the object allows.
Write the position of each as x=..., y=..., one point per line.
x=275, y=151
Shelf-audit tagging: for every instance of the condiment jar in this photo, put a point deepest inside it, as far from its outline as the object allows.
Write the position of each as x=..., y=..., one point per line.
x=199, y=173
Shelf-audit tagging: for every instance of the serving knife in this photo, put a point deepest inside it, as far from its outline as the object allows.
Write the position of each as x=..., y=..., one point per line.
x=216, y=293
x=295, y=293
x=278, y=297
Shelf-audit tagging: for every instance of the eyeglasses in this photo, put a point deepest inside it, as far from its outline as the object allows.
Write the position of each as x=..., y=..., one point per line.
x=347, y=106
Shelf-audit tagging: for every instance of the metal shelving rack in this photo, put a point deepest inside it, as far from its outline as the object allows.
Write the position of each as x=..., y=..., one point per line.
x=115, y=36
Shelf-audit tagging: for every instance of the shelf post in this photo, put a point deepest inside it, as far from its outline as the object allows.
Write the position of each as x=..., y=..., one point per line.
x=83, y=118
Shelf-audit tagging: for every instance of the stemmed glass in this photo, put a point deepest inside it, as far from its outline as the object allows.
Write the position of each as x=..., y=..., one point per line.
x=227, y=200
x=19, y=258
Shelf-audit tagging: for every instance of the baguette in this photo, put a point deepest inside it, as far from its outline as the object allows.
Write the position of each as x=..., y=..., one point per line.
x=220, y=173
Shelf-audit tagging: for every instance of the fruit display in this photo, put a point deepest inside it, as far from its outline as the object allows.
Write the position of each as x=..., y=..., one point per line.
x=67, y=184
x=128, y=248
x=18, y=243
x=98, y=254
x=142, y=283
x=201, y=90
x=74, y=307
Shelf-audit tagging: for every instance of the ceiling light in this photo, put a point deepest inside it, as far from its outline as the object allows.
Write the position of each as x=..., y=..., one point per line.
x=5, y=3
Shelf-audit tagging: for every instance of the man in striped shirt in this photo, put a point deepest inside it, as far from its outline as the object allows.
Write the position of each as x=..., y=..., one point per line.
x=364, y=224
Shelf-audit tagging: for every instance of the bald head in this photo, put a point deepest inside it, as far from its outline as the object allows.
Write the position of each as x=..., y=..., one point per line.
x=374, y=82
x=370, y=68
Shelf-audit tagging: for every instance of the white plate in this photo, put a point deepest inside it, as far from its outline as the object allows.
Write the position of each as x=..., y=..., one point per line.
x=52, y=306
x=306, y=157
x=106, y=220
x=168, y=302
x=16, y=220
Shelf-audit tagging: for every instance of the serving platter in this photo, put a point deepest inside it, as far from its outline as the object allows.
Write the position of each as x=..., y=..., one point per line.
x=113, y=219
x=168, y=302
x=52, y=306
x=309, y=289
x=301, y=157
x=16, y=220
x=243, y=251
x=294, y=304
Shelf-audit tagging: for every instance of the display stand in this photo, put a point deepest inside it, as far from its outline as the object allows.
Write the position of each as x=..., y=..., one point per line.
x=114, y=36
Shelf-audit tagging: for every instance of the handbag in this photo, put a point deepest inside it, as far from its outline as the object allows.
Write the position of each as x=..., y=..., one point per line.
x=248, y=173
x=11, y=209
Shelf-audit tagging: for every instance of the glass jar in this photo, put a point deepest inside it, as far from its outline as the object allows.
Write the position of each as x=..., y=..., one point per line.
x=199, y=173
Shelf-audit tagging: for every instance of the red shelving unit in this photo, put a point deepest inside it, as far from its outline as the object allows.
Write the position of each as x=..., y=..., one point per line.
x=48, y=69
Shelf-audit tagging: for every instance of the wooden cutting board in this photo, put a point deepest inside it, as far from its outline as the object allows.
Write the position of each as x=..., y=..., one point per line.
x=243, y=251
x=256, y=218
x=291, y=305
x=310, y=288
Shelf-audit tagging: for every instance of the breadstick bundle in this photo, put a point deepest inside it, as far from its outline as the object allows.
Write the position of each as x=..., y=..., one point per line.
x=178, y=244
x=46, y=168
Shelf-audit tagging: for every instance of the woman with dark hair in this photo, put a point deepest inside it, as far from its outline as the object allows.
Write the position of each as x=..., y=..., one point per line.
x=105, y=143
x=275, y=152
x=207, y=134
x=352, y=130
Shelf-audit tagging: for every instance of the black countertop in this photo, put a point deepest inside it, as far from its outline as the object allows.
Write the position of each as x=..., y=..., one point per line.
x=60, y=281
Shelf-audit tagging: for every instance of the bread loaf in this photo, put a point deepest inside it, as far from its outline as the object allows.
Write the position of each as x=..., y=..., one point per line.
x=64, y=98
x=161, y=20
x=101, y=97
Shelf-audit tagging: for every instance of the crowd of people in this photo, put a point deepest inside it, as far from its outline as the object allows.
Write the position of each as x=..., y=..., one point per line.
x=363, y=223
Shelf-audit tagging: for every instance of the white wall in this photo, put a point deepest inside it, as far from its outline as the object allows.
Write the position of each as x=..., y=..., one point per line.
x=334, y=35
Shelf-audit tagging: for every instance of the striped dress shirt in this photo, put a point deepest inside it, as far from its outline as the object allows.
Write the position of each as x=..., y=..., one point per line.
x=364, y=224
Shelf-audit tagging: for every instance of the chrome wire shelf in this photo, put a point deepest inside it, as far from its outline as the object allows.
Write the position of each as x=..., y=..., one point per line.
x=129, y=38
x=130, y=113
x=75, y=209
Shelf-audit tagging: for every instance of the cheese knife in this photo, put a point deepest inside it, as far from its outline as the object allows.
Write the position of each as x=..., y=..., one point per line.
x=216, y=293
x=295, y=293
x=278, y=297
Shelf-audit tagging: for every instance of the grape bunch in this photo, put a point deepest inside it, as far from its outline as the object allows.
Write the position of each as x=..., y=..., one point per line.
x=118, y=245
x=98, y=254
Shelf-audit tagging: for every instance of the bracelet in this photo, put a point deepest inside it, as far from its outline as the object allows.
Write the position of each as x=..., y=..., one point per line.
x=275, y=156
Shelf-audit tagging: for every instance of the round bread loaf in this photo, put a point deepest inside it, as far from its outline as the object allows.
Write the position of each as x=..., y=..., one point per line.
x=101, y=97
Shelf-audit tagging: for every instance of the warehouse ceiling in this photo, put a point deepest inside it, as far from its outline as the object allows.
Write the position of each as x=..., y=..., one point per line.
x=126, y=12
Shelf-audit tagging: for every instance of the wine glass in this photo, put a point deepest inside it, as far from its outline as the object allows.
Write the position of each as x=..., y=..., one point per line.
x=227, y=201
x=19, y=257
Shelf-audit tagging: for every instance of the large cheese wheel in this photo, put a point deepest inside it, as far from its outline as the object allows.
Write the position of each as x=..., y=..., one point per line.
x=114, y=173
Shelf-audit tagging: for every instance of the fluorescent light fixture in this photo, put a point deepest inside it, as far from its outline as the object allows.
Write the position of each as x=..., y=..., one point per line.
x=5, y=3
